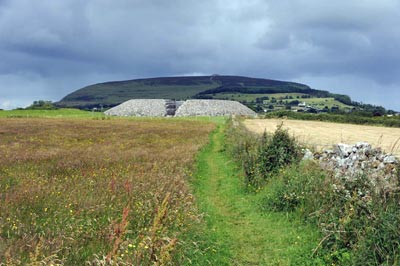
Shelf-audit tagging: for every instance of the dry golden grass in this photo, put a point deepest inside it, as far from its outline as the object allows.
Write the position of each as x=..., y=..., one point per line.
x=75, y=191
x=324, y=134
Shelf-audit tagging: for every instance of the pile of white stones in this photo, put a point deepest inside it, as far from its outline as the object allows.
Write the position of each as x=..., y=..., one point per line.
x=140, y=107
x=213, y=108
x=161, y=107
x=352, y=161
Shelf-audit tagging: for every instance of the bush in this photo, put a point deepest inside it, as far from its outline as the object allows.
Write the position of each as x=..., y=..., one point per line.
x=276, y=151
x=261, y=157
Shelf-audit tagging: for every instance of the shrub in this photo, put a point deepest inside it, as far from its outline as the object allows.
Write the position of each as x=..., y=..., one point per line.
x=263, y=156
x=276, y=151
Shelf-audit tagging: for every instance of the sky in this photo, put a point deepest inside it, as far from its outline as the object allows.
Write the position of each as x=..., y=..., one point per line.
x=50, y=48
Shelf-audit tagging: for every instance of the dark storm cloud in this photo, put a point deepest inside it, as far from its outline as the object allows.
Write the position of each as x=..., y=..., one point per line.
x=50, y=48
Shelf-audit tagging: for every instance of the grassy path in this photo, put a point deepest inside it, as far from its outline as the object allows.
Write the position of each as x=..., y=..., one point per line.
x=245, y=235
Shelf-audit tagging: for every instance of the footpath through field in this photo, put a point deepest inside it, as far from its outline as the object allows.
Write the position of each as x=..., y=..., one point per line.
x=250, y=236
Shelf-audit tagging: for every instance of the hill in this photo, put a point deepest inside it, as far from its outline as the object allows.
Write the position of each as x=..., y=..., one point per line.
x=109, y=94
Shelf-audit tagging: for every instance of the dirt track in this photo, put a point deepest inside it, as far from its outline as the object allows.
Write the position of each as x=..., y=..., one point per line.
x=324, y=134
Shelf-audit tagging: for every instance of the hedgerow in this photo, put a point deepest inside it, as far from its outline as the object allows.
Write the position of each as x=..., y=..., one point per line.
x=339, y=118
x=358, y=218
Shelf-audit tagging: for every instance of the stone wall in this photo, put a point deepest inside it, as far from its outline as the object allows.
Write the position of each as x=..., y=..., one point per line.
x=355, y=161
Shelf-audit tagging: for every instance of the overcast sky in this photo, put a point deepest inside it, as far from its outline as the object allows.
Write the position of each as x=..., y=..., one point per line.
x=49, y=48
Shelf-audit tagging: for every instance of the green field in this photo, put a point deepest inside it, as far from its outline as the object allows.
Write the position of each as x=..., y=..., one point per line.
x=250, y=97
x=322, y=102
x=60, y=113
x=315, y=102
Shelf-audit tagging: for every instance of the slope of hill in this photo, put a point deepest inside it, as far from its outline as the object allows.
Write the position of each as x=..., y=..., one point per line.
x=112, y=93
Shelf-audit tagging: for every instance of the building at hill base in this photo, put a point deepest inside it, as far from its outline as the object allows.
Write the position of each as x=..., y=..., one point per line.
x=162, y=108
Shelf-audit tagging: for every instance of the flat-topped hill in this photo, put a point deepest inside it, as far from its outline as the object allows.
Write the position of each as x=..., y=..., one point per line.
x=110, y=94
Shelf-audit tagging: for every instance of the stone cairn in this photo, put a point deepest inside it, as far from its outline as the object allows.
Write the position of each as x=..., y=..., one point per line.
x=162, y=108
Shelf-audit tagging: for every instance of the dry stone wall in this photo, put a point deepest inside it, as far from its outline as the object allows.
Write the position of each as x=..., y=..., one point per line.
x=351, y=162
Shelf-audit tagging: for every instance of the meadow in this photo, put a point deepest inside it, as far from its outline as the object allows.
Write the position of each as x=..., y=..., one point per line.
x=81, y=188
x=99, y=192
x=58, y=113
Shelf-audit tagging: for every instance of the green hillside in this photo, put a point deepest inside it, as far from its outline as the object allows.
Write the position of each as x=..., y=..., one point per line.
x=180, y=88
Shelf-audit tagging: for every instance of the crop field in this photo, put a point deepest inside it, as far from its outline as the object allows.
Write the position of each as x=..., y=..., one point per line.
x=76, y=191
x=324, y=134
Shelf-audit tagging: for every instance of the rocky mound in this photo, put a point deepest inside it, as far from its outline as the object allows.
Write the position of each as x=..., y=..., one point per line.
x=161, y=107
x=350, y=162
x=213, y=108
x=140, y=107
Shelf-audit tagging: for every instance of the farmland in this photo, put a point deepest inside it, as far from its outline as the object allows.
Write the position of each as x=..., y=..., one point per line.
x=84, y=190
x=60, y=113
x=80, y=188
x=324, y=134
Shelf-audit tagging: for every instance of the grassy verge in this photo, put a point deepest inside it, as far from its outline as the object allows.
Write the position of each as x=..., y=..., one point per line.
x=244, y=234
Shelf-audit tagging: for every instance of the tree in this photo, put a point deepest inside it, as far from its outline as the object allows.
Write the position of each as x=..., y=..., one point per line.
x=42, y=105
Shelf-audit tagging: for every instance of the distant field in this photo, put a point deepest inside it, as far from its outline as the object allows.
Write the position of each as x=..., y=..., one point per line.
x=316, y=102
x=322, y=102
x=76, y=191
x=252, y=96
x=324, y=134
x=64, y=112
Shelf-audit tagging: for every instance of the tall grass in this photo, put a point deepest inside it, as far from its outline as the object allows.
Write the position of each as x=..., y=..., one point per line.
x=110, y=192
